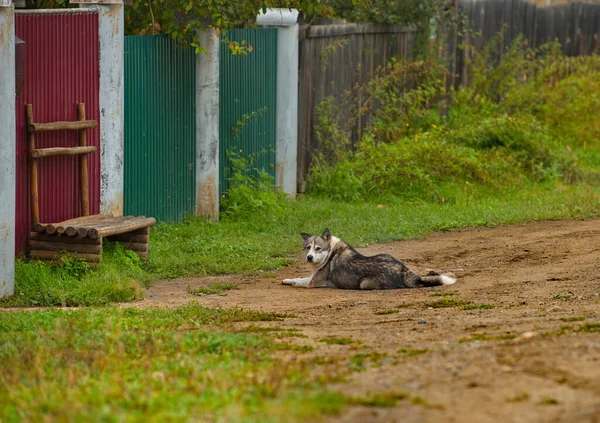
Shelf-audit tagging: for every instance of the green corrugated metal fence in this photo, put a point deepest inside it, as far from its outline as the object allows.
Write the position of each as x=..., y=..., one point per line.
x=248, y=102
x=160, y=128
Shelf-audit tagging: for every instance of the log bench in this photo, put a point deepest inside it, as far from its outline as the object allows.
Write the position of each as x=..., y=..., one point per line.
x=80, y=237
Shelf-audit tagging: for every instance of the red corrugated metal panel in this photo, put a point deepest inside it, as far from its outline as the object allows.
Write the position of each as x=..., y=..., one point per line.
x=61, y=70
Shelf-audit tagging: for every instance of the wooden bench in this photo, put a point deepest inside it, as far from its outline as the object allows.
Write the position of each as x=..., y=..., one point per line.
x=82, y=236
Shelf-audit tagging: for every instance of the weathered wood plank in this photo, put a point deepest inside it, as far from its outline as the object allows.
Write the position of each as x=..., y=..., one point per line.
x=63, y=238
x=66, y=246
x=121, y=227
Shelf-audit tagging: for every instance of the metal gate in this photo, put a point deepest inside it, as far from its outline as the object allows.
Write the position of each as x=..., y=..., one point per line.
x=160, y=128
x=61, y=70
x=248, y=104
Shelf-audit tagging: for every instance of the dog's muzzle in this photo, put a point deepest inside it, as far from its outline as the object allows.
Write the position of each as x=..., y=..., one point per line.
x=309, y=259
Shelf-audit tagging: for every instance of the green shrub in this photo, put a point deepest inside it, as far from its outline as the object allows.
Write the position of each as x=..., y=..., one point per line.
x=252, y=192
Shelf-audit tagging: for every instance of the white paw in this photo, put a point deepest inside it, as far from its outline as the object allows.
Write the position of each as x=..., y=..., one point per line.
x=288, y=282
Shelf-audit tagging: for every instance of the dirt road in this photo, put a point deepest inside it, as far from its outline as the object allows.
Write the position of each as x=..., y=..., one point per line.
x=518, y=340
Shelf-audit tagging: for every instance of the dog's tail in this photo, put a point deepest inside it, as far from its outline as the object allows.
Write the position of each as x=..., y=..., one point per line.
x=436, y=279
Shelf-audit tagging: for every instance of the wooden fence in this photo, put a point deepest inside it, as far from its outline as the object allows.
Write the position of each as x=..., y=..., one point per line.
x=576, y=26
x=333, y=59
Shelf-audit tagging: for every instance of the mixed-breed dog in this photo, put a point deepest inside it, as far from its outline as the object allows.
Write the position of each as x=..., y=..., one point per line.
x=338, y=265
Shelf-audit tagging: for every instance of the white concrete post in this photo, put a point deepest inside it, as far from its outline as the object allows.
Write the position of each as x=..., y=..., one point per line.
x=111, y=30
x=207, y=125
x=286, y=150
x=7, y=148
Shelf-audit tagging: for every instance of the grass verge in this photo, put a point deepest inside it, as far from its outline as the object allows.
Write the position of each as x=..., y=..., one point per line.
x=123, y=364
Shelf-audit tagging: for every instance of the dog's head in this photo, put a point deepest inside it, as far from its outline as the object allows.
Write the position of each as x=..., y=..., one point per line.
x=317, y=248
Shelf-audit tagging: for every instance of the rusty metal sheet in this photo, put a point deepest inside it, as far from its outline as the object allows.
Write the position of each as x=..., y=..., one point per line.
x=61, y=69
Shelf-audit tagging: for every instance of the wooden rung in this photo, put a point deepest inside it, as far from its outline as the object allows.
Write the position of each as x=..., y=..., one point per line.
x=61, y=151
x=61, y=126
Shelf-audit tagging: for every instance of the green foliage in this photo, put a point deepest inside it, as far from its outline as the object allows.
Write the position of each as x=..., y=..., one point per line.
x=181, y=19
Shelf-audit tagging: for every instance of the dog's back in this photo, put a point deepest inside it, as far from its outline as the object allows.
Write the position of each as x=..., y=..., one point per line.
x=348, y=269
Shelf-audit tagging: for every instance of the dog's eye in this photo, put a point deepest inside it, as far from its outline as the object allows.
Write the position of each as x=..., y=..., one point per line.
x=317, y=248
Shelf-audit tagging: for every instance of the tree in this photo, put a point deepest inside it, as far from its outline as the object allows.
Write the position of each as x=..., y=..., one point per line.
x=180, y=19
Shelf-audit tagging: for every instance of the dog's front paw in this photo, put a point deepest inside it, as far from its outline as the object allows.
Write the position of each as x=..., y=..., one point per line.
x=288, y=282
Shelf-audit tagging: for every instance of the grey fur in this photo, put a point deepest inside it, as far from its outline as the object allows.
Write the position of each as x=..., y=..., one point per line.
x=345, y=268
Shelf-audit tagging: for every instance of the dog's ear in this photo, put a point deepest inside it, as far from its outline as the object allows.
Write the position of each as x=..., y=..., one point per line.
x=304, y=236
x=326, y=235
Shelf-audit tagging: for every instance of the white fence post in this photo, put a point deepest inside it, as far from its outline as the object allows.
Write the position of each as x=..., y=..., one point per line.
x=111, y=30
x=287, y=95
x=207, y=125
x=7, y=148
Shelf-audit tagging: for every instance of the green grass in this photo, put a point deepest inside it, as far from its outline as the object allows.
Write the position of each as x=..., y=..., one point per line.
x=563, y=330
x=572, y=319
x=408, y=352
x=444, y=294
x=478, y=307
x=549, y=401
x=518, y=398
x=447, y=303
x=215, y=288
x=337, y=341
x=358, y=361
x=128, y=364
x=385, y=399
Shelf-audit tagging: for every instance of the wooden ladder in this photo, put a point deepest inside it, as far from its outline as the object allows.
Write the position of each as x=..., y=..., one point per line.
x=82, y=236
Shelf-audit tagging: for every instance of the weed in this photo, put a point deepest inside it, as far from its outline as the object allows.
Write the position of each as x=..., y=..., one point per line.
x=518, y=398
x=295, y=348
x=444, y=294
x=386, y=311
x=357, y=361
x=420, y=401
x=481, y=337
x=589, y=328
x=563, y=297
x=478, y=307
x=406, y=305
x=572, y=319
x=447, y=303
x=386, y=399
x=548, y=401
x=407, y=352
x=214, y=288
x=337, y=341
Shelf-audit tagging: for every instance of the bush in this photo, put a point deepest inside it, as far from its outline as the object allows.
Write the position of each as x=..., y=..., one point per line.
x=529, y=116
x=252, y=193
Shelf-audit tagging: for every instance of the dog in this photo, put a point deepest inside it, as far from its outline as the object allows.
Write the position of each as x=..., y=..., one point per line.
x=338, y=265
